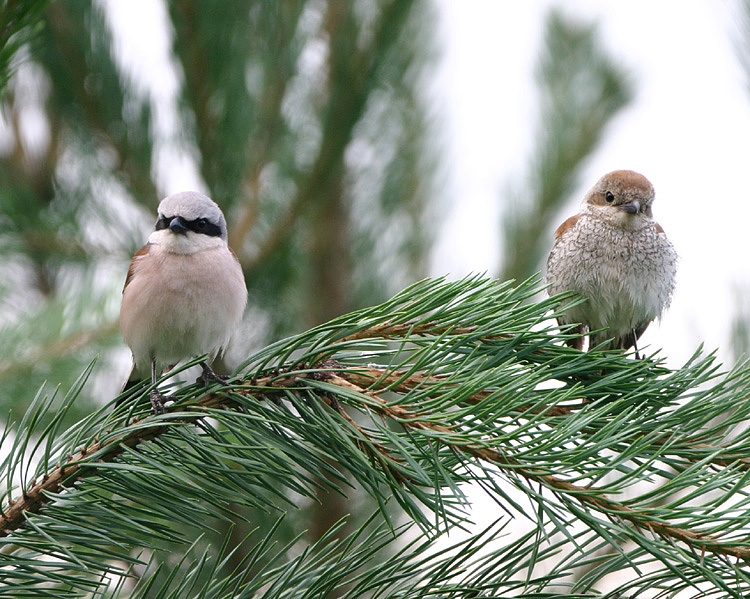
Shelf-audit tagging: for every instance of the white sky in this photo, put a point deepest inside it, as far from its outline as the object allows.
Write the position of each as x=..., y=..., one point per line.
x=688, y=131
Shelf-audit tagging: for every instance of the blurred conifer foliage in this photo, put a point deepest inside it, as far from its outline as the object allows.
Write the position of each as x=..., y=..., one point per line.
x=302, y=119
x=581, y=88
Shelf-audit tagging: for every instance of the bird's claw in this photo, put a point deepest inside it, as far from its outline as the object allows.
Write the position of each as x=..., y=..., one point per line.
x=208, y=376
x=157, y=401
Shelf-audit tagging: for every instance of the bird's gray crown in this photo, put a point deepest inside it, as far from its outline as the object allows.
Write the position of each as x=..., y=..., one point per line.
x=191, y=206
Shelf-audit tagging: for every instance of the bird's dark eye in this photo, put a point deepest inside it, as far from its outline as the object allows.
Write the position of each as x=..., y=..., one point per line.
x=204, y=227
x=609, y=197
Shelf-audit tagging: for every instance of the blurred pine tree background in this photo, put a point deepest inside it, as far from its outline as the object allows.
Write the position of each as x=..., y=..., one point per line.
x=302, y=120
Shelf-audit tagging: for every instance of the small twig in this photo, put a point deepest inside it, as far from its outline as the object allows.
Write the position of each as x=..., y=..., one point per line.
x=390, y=331
x=382, y=455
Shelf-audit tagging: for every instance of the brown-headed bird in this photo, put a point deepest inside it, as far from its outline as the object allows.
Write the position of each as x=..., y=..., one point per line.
x=616, y=256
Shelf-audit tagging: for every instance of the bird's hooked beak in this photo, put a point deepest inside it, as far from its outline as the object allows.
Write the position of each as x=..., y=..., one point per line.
x=177, y=226
x=633, y=207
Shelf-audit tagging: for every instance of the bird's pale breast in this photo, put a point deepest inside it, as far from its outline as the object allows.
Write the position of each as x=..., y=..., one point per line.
x=174, y=320
x=627, y=276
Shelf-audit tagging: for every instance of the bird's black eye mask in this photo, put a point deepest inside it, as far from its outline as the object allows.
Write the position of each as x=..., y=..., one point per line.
x=198, y=225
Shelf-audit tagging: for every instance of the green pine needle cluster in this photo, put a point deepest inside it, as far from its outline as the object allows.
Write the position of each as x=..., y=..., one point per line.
x=600, y=465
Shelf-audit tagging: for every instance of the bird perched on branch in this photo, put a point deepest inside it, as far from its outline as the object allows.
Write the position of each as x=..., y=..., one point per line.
x=613, y=254
x=184, y=294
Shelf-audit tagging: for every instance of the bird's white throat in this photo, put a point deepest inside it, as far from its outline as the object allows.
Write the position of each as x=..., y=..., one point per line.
x=188, y=243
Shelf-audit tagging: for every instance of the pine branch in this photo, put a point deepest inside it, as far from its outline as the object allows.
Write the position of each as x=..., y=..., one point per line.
x=149, y=428
x=445, y=384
